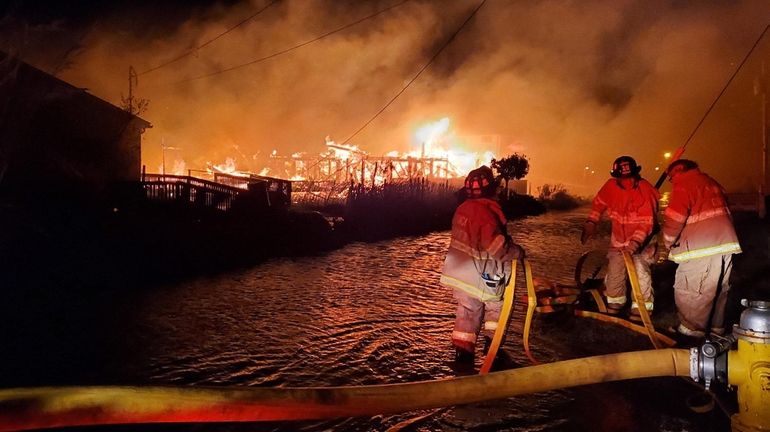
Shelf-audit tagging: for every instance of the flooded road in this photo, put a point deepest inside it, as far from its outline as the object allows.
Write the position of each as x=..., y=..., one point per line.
x=369, y=313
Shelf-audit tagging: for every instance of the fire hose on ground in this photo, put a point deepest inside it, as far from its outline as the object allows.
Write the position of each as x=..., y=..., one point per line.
x=747, y=368
x=31, y=408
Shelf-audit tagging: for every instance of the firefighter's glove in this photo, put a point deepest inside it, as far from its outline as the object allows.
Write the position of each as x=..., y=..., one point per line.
x=589, y=229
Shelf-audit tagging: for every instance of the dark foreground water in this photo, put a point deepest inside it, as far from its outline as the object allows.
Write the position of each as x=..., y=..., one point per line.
x=365, y=314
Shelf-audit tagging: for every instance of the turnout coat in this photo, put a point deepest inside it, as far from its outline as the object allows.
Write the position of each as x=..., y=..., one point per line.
x=698, y=223
x=479, y=258
x=632, y=211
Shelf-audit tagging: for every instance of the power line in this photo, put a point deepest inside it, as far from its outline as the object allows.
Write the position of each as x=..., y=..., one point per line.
x=276, y=54
x=451, y=38
x=724, y=89
x=192, y=50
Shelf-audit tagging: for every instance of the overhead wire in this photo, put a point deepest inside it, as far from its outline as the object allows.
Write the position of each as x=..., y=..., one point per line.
x=210, y=41
x=287, y=50
x=393, y=99
x=724, y=89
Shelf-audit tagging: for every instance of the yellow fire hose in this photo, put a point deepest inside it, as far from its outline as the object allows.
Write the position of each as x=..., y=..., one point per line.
x=637, y=291
x=531, y=305
x=568, y=296
x=665, y=340
x=502, y=322
x=598, y=300
x=502, y=327
x=30, y=408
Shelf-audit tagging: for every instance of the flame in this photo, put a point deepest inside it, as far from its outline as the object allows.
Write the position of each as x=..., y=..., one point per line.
x=440, y=154
x=438, y=140
x=341, y=151
x=226, y=168
x=179, y=168
x=431, y=134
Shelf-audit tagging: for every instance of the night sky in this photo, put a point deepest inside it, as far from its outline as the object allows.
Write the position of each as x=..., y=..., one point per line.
x=569, y=84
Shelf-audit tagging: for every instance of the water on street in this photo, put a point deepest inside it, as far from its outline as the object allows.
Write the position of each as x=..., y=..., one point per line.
x=369, y=313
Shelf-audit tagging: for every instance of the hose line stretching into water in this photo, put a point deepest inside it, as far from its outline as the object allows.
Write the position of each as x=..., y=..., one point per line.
x=31, y=408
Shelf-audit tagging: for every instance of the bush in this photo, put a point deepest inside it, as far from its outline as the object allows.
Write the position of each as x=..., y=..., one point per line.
x=517, y=206
x=556, y=197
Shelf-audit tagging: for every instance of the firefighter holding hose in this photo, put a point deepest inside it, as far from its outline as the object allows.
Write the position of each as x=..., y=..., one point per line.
x=478, y=263
x=631, y=204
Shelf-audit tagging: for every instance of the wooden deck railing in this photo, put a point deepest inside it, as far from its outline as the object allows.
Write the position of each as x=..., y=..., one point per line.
x=189, y=190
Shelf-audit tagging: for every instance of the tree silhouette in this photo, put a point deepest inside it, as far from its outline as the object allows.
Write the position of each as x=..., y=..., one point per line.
x=513, y=167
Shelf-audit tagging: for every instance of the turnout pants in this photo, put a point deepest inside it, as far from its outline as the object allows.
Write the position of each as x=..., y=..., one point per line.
x=472, y=317
x=700, y=286
x=616, y=277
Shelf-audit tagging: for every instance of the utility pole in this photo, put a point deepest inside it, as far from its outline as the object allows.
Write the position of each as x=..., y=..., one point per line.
x=763, y=81
x=760, y=88
x=163, y=156
x=133, y=80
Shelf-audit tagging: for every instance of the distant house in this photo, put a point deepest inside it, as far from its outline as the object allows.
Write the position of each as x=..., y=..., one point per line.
x=54, y=135
x=519, y=187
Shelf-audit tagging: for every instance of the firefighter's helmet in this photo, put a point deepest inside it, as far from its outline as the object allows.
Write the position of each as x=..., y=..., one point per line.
x=480, y=183
x=625, y=167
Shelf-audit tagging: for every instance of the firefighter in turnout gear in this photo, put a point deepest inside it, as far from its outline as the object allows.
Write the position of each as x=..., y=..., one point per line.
x=698, y=230
x=631, y=203
x=478, y=263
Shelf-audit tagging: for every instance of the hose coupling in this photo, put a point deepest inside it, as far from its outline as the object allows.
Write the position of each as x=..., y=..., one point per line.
x=709, y=361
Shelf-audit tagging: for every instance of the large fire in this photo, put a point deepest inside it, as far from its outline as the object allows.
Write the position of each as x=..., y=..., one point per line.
x=438, y=154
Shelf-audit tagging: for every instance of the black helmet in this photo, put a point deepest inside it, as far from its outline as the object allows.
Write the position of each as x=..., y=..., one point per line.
x=480, y=183
x=625, y=167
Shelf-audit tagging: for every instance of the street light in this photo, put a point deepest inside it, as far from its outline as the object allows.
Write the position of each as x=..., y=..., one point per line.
x=667, y=155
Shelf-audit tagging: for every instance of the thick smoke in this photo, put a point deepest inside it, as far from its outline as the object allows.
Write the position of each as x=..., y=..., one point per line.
x=570, y=84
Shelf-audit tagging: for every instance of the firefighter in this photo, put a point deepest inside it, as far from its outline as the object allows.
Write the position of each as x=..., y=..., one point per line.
x=478, y=263
x=698, y=230
x=631, y=204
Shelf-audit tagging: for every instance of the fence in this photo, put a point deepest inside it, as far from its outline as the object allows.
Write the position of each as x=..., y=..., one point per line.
x=190, y=191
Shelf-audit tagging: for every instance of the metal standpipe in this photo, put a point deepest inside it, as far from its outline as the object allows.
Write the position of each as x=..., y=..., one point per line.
x=747, y=367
